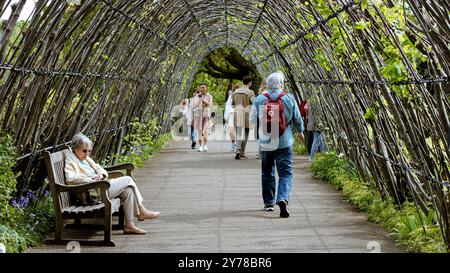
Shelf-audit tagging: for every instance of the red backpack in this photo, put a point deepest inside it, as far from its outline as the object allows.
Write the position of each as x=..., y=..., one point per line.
x=271, y=107
x=303, y=108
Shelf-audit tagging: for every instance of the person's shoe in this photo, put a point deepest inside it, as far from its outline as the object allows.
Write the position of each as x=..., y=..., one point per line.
x=238, y=156
x=205, y=148
x=268, y=208
x=133, y=231
x=193, y=145
x=243, y=156
x=284, y=212
x=200, y=149
x=149, y=215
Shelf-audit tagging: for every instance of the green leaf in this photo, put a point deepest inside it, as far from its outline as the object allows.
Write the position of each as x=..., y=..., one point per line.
x=364, y=5
x=361, y=25
x=309, y=36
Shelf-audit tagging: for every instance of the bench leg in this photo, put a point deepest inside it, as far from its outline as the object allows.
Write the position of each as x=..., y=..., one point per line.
x=108, y=227
x=58, y=227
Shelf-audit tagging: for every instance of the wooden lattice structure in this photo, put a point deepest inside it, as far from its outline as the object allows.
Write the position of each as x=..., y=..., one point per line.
x=377, y=71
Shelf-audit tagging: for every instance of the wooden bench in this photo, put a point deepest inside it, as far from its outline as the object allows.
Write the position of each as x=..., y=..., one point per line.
x=66, y=207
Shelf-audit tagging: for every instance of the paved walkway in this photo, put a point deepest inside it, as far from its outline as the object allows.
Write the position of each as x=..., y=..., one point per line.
x=210, y=202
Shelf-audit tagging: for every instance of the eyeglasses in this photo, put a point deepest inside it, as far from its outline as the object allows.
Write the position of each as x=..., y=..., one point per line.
x=85, y=151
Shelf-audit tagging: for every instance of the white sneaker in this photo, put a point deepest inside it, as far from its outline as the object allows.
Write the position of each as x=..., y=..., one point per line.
x=205, y=148
x=200, y=149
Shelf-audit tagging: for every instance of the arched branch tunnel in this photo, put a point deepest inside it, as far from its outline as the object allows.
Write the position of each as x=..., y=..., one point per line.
x=377, y=72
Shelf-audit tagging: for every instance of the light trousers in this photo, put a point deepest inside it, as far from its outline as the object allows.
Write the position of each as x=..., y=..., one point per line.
x=126, y=189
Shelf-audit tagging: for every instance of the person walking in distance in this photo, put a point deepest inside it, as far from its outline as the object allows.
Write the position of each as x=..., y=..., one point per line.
x=229, y=117
x=242, y=100
x=202, y=115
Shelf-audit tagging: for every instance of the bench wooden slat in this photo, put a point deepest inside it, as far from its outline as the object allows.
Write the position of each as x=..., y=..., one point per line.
x=115, y=207
x=69, y=209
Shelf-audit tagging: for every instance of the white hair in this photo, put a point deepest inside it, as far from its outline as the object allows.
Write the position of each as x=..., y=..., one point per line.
x=80, y=140
x=275, y=80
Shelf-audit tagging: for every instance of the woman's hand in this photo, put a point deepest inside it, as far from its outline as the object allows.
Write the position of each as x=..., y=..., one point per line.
x=301, y=137
x=98, y=177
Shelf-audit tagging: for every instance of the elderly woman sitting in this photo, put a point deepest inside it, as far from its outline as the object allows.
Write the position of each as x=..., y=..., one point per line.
x=80, y=168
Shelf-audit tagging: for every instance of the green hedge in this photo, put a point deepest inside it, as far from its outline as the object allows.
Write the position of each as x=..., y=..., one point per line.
x=403, y=223
x=142, y=142
x=24, y=220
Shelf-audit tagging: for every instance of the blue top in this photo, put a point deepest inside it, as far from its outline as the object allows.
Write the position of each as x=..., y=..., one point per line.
x=293, y=118
x=89, y=169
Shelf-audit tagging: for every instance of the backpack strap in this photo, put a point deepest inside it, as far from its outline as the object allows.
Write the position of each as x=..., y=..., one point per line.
x=281, y=95
x=267, y=95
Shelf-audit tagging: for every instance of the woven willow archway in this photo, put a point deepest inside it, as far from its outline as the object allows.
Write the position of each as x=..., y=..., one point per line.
x=377, y=72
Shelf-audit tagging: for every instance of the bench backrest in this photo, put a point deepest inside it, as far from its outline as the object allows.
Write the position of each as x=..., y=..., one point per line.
x=55, y=168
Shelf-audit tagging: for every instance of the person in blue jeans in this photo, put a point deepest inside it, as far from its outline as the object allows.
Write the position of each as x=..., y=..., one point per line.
x=277, y=150
x=318, y=138
x=318, y=144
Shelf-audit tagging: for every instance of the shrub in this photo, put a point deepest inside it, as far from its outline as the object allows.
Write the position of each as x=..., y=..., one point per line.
x=31, y=218
x=7, y=177
x=11, y=239
x=142, y=142
x=25, y=219
x=404, y=224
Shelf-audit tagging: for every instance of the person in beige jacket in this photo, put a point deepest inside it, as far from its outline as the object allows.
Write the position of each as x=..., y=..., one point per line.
x=80, y=168
x=242, y=101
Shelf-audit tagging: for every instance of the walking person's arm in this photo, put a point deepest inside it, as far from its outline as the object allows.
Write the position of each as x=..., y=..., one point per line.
x=253, y=114
x=297, y=120
x=252, y=97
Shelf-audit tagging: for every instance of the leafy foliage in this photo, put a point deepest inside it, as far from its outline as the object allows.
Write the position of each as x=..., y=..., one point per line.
x=26, y=219
x=7, y=177
x=220, y=67
x=405, y=224
x=142, y=142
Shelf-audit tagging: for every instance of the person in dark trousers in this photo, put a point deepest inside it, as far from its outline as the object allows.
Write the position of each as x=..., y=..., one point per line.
x=242, y=101
x=277, y=149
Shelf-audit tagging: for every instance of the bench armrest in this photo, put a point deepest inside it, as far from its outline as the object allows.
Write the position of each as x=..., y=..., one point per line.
x=124, y=166
x=114, y=174
x=102, y=184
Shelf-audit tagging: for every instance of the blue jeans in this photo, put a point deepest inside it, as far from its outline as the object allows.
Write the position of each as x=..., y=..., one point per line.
x=318, y=143
x=193, y=134
x=283, y=159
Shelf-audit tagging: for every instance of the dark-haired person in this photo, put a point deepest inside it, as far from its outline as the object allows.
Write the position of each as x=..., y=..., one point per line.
x=242, y=101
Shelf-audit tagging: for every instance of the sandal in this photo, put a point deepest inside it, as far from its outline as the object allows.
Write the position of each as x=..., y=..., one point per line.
x=150, y=215
x=135, y=231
